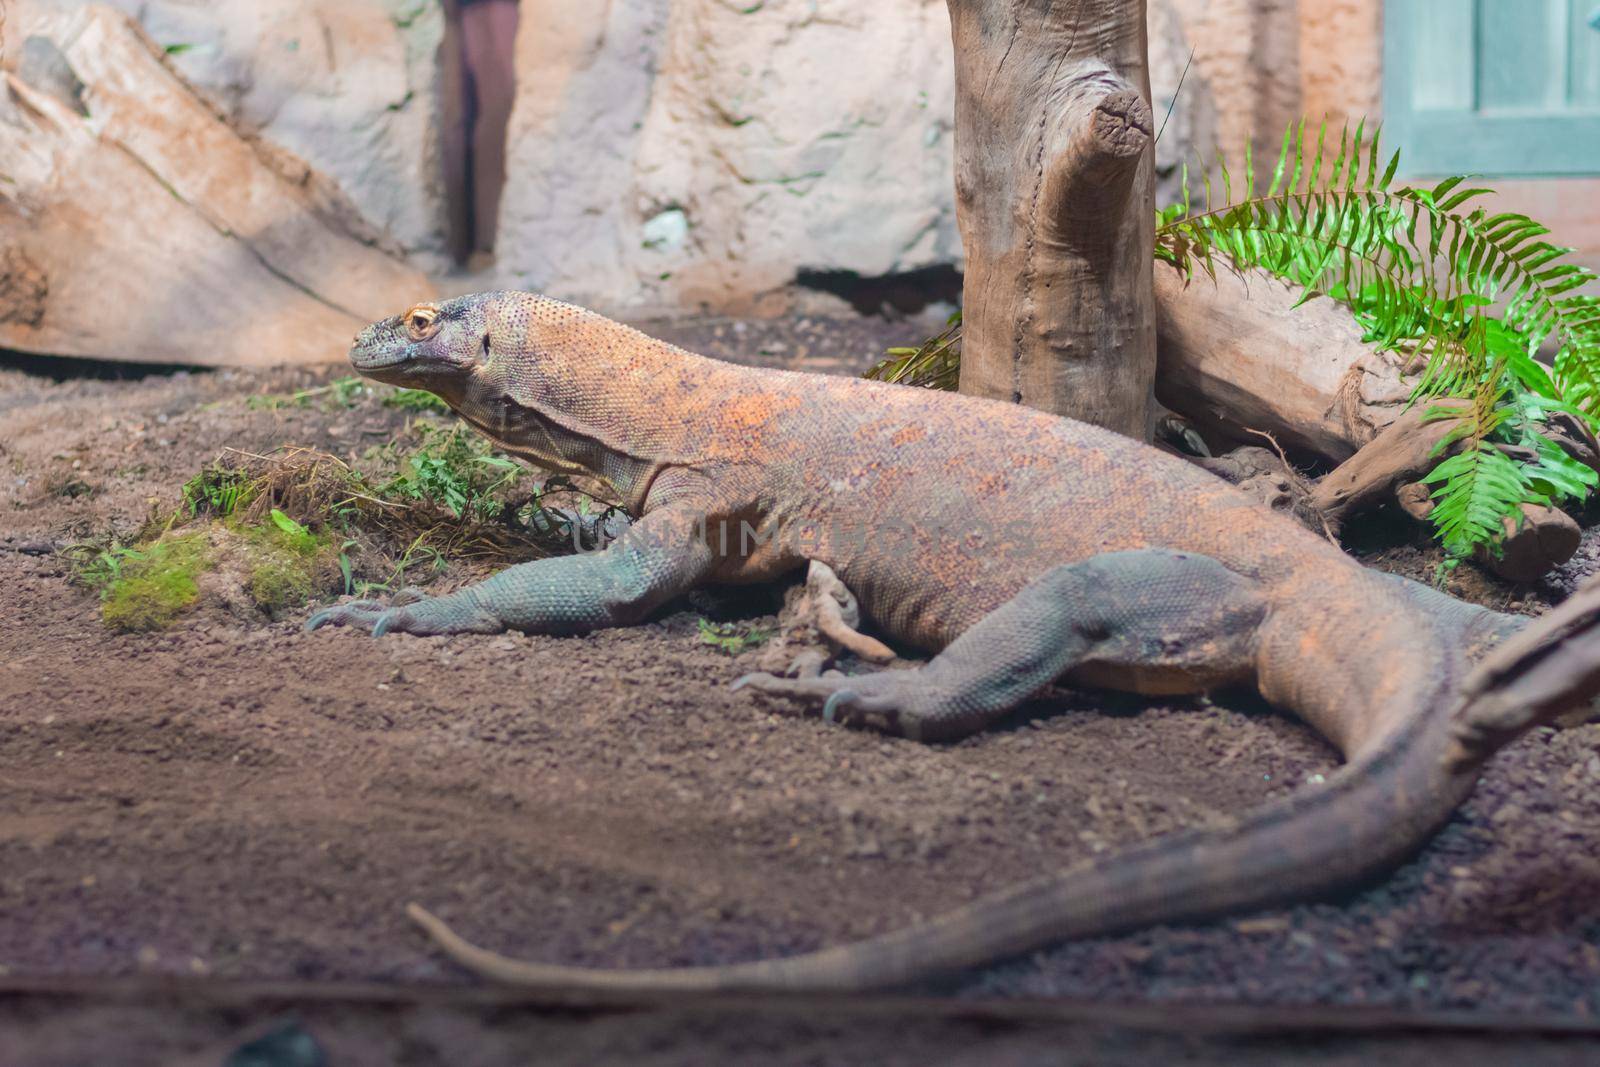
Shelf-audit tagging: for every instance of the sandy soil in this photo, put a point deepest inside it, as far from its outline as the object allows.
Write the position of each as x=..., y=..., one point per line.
x=239, y=799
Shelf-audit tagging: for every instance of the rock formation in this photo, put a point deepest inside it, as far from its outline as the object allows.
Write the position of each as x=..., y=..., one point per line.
x=140, y=225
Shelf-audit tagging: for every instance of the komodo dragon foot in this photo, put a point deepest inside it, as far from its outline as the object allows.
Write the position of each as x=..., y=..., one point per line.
x=412, y=612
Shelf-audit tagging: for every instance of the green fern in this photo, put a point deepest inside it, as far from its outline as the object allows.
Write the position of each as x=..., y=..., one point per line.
x=1471, y=295
x=936, y=364
x=1424, y=270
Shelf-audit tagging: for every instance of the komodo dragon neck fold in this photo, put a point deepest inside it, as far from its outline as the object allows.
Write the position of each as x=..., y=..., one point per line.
x=1020, y=548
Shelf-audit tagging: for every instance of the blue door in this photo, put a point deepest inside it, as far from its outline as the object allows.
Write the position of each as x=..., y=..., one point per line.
x=1493, y=87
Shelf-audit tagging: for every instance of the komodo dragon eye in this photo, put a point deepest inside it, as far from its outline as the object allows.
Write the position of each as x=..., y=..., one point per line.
x=420, y=321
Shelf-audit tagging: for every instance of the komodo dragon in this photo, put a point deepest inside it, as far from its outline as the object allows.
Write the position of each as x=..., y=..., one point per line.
x=1020, y=548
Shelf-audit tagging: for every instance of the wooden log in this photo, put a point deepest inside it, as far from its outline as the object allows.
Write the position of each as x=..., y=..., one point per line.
x=139, y=225
x=1054, y=178
x=1400, y=455
x=1532, y=543
x=1238, y=355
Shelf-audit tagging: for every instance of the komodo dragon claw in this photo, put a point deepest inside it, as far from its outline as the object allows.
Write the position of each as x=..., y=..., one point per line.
x=891, y=694
x=819, y=685
x=840, y=697
x=411, y=612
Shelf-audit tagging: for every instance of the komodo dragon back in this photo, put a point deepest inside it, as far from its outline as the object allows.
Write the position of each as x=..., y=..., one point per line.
x=1373, y=663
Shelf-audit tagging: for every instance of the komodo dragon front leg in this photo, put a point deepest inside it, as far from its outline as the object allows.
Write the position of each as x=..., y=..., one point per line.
x=662, y=555
x=1160, y=621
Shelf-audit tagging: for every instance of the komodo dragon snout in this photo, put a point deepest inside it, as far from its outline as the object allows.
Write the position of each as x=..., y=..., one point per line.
x=1116, y=564
x=427, y=340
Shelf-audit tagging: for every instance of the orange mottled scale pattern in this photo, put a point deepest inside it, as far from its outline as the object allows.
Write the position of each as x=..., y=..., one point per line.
x=933, y=509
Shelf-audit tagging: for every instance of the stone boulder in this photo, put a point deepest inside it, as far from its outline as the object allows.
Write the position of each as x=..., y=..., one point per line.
x=139, y=225
x=349, y=86
x=700, y=153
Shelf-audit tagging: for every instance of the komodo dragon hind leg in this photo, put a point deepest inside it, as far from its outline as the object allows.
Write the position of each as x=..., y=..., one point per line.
x=1161, y=621
x=1475, y=629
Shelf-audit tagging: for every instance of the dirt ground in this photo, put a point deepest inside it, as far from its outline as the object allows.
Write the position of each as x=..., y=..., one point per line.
x=242, y=800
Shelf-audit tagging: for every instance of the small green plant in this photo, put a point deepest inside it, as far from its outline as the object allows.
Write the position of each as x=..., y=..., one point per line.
x=341, y=392
x=457, y=470
x=418, y=555
x=935, y=364
x=217, y=490
x=95, y=565
x=347, y=564
x=295, y=537
x=733, y=638
x=149, y=587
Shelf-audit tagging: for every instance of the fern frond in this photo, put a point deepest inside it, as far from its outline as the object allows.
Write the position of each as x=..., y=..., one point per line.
x=1422, y=269
x=1478, y=488
x=936, y=364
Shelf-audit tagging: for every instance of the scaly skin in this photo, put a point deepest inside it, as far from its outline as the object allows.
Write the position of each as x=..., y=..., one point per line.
x=1020, y=547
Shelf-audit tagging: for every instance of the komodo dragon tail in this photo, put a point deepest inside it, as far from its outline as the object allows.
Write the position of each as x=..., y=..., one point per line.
x=1371, y=816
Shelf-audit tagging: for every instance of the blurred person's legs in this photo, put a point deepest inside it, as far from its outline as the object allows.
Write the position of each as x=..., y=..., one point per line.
x=455, y=138
x=488, y=51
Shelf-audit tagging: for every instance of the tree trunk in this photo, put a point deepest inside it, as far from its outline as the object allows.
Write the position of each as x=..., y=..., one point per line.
x=1054, y=180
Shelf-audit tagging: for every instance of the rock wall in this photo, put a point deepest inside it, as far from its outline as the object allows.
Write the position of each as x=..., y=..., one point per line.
x=350, y=86
x=702, y=152
x=687, y=154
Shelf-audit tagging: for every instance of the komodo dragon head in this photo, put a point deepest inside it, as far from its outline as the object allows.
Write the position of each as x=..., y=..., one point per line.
x=553, y=383
x=430, y=346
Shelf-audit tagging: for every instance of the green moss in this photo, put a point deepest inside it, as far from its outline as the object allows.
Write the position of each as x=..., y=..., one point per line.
x=155, y=583
x=285, y=560
x=276, y=585
x=147, y=586
x=281, y=534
